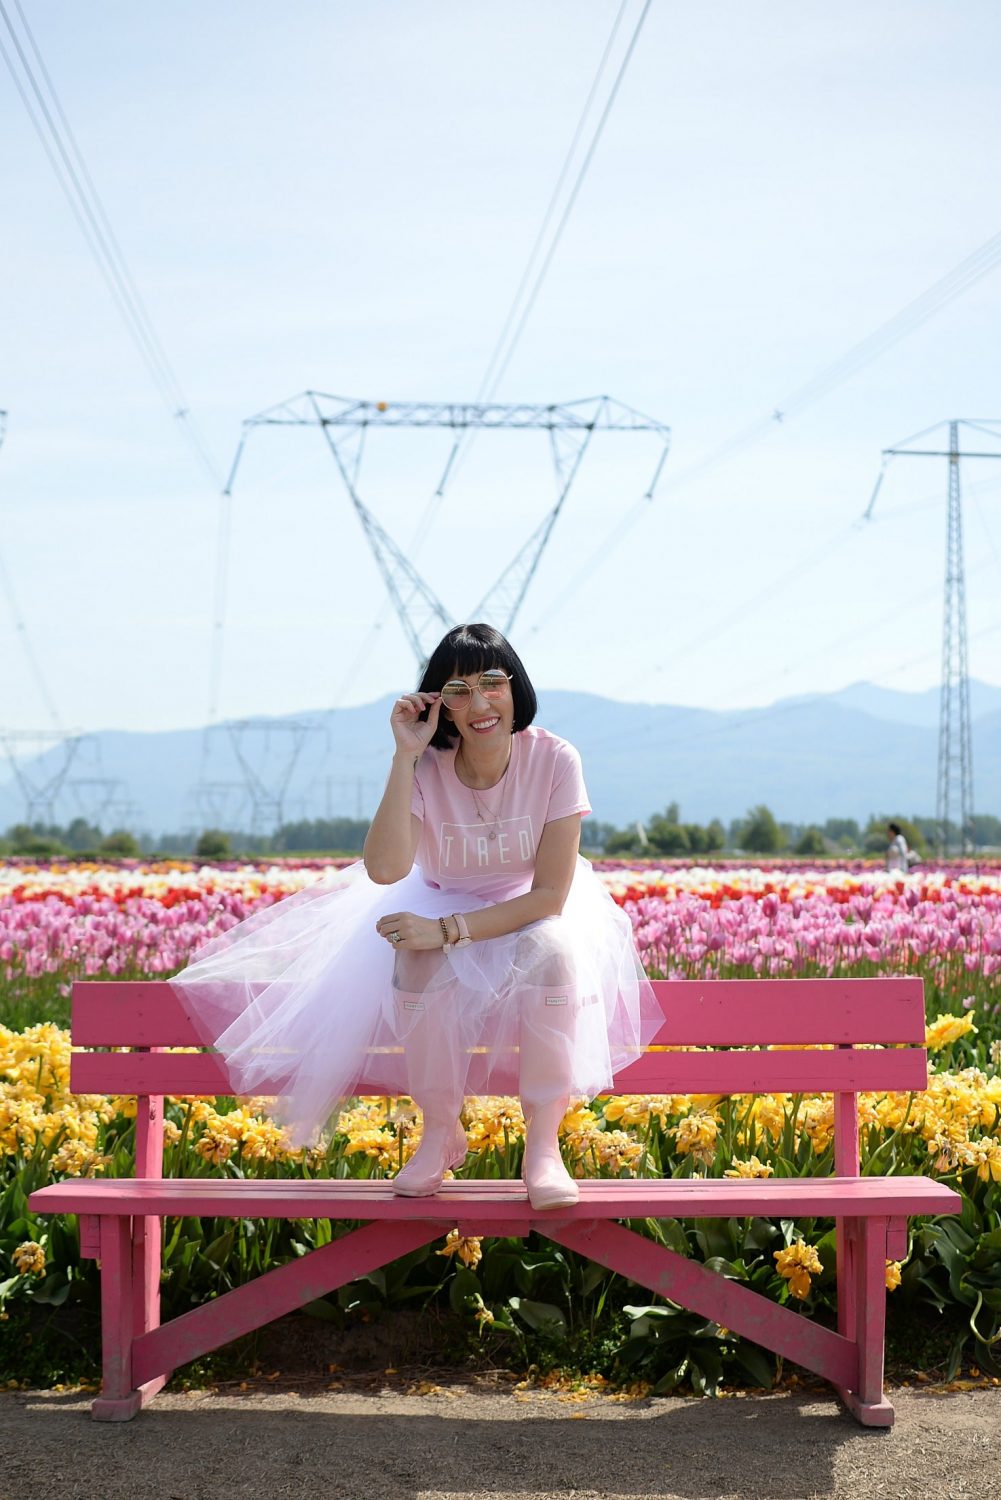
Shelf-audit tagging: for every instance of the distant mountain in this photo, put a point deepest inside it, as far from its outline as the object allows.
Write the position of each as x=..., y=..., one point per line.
x=904, y=708
x=859, y=751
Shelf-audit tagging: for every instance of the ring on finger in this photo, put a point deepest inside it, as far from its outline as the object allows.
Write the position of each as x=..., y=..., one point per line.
x=395, y=937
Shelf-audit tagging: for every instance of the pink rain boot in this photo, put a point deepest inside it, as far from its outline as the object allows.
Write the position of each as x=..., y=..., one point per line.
x=435, y=1070
x=548, y=1025
x=548, y=1182
x=443, y=1145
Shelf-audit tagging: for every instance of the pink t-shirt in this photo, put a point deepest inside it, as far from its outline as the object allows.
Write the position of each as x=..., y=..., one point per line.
x=487, y=844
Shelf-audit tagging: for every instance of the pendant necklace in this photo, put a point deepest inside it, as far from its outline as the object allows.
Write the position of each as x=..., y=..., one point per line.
x=481, y=807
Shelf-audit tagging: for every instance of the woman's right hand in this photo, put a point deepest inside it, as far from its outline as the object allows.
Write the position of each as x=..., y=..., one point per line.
x=412, y=733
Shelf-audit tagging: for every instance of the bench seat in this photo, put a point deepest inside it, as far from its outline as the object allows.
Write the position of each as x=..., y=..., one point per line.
x=490, y=1202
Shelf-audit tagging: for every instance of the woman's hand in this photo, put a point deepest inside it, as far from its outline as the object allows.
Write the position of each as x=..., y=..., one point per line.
x=415, y=933
x=412, y=734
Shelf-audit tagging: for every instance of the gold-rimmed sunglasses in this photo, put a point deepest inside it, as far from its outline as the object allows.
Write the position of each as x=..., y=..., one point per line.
x=492, y=684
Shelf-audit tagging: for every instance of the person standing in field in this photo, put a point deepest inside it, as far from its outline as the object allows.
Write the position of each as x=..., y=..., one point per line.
x=898, y=856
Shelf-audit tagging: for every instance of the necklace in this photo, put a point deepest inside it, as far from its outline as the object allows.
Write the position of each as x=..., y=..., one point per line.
x=481, y=807
x=496, y=816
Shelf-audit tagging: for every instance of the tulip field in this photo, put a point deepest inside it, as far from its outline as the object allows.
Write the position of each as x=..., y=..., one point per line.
x=526, y=1302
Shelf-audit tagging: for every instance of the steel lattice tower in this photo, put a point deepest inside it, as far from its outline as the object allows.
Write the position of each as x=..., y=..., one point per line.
x=955, y=751
x=954, y=781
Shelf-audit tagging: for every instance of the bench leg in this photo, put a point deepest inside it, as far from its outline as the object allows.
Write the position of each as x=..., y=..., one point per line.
x=864, y=1314
x=117, y=1401
x=146, y=1237
x=120, y=1289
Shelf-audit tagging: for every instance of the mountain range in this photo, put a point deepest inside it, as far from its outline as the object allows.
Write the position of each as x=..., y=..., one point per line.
x=862, y=750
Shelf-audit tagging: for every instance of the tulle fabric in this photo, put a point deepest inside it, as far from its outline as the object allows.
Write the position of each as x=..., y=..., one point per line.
x=305, y=1001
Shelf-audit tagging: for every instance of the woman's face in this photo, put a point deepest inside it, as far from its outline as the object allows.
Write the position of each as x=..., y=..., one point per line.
x=482, y=720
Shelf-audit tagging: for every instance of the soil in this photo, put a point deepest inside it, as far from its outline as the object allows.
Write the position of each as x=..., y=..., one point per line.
x=483, y=1438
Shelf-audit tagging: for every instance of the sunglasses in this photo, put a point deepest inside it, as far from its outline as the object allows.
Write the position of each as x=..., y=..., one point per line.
x=492, y=684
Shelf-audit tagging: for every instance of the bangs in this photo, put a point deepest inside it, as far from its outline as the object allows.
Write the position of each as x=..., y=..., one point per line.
x=465, y=651
x=473, y=656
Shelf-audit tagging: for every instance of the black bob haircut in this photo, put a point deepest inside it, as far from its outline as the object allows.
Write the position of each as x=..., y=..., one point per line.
x=895, y=829
x=475, y=648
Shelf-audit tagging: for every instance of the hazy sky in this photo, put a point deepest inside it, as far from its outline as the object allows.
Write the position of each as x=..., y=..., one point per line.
x=343, y=196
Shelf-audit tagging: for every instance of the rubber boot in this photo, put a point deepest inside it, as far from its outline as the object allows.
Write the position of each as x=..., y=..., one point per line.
x=547, y=1180
x=435, y=1072
x=443, y=1146
x=548, y=1024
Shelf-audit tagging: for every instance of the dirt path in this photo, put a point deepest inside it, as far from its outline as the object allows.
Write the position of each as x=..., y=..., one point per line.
x=463, y=1442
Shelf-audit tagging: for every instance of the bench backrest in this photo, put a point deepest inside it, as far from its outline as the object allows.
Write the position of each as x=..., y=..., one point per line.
x=837, y=1036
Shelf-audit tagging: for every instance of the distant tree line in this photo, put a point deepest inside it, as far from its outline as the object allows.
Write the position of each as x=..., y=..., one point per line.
x=83, y=839
x=662, y=834
x=760, y=832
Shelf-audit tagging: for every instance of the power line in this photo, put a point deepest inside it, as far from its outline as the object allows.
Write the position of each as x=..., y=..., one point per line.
x=524, y=299
x=904, y=322
x=51, y=125
x=21, y=629
x=492, y=377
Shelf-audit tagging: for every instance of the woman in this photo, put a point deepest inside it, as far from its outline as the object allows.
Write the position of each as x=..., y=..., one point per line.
x=472, y=933
x=899, y=858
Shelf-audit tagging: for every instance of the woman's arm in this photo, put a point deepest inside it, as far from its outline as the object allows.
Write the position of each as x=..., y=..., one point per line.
x=394, y=833
x=554, y=866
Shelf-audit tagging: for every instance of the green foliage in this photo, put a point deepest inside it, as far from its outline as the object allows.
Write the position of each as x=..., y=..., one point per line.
x=623, y=841
x=842, y=830
x=347, y=834
x=80, y=836
x=666, y=837
x=715, y=837
x=213, y=844
x=986, y=831
x=811, y=842
x=36, y=840
x=760, y=833
x=121, y=842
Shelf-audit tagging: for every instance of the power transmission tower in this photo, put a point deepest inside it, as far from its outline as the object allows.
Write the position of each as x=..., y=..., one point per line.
x=954, y=784
x=92, y=796
x=266, y=782
x=220, y=803
x=39, y=777
x=345, y=423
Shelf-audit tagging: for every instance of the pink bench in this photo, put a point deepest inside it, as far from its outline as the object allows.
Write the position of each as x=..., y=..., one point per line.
x=866, y=1020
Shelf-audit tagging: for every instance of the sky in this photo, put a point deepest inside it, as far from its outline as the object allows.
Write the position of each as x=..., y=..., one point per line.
x=343, y=198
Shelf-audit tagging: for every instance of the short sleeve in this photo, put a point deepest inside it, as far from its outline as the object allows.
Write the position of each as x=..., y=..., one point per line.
x=417, y=800
x=569, y=794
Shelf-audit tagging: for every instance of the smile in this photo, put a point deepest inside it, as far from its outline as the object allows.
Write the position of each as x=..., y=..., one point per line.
x=483, y=726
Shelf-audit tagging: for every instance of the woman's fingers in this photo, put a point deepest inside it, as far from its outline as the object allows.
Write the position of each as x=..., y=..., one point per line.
x=393, y=922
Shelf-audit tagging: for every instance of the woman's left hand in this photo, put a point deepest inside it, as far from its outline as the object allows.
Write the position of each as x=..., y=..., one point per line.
x=415, y=933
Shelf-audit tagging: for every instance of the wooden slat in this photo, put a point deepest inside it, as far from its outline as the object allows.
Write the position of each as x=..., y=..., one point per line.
x=791, y=1072
x=654, y=1073
x=500, y=1201
x=132, y=1013
x=718, y=1012
x=747, y=1012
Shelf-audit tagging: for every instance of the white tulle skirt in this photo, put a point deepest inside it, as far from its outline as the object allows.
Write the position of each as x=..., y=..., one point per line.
x=310, y=1006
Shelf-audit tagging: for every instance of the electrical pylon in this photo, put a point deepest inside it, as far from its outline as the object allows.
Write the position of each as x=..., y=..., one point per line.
x=570, y=426
x=267, y=792
x=39, y=779
x=954, y=782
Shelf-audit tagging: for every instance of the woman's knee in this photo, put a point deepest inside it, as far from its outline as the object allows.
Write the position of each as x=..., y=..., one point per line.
x=549, y=958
